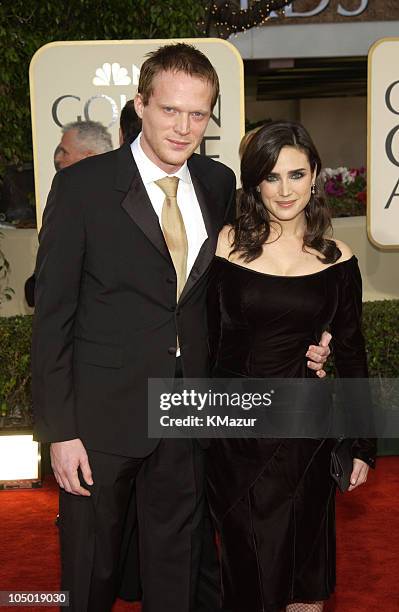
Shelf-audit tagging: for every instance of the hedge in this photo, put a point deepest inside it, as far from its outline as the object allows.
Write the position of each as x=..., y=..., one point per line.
x=380, y=323
x=15, y=376
x=380, y=328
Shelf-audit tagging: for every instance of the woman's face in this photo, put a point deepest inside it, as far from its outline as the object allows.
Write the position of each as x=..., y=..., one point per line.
x=287, y=189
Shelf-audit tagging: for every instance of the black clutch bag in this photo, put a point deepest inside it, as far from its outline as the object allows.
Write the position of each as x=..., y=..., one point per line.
x=342, y=463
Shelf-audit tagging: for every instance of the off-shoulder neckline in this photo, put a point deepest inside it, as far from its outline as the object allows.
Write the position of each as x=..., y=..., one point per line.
x=340, y=263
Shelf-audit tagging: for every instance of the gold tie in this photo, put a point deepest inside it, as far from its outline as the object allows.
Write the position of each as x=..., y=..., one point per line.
x=174, y=230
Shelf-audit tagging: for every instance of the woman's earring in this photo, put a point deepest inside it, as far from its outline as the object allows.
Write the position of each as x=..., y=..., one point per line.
x=313, y=189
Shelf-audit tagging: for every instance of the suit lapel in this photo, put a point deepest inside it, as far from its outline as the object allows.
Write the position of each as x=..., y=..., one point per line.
x=212, y=222
x=138, y=206
x=136, y=202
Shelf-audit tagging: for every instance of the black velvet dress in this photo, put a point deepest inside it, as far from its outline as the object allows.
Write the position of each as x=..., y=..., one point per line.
x=273, y=501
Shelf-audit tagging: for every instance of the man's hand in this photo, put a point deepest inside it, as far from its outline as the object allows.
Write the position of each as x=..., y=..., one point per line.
x=66, y=458
x=318, y=355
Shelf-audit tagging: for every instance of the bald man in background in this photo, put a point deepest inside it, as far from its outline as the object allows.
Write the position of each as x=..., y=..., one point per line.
x=80, y=139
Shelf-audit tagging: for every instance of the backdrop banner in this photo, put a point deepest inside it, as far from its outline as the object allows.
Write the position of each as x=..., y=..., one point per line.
x=383, y=144
x=92, y=80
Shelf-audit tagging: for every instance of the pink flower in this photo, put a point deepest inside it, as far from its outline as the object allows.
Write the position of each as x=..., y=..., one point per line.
x=333, y=189
x=362, y=197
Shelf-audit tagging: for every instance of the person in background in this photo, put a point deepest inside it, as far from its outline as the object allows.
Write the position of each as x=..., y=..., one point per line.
x=80, y=139
x=129, y=123
x=56, y=157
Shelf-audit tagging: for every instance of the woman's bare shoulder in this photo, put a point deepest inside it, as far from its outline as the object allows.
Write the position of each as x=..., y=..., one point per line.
x=225, y=241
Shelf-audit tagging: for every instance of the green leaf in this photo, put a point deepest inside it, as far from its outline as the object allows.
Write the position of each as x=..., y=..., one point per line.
x=26, y=25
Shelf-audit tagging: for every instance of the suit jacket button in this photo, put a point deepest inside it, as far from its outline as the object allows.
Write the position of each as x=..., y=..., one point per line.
x=172, y=350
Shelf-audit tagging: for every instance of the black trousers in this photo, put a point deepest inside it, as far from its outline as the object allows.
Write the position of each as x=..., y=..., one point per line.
x=208, y=582
x=178, y=564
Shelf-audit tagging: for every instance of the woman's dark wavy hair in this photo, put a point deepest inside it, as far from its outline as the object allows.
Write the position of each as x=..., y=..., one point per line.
x=252, y=225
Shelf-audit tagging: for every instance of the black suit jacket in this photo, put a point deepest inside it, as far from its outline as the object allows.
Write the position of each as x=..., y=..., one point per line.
x=106, y=315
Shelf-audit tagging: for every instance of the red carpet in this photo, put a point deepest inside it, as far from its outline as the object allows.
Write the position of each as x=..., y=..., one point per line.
x=367, y=542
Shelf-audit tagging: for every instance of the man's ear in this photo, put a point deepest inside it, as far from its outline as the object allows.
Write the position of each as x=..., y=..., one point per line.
x=139, y=105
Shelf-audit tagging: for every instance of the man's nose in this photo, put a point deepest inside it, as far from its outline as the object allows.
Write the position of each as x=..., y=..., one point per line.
x=182, y=123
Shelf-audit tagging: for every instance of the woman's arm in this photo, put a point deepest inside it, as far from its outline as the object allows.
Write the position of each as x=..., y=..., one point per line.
x=350, y=354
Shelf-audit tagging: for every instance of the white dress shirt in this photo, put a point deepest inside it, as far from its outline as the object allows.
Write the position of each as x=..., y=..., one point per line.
x=186, y=199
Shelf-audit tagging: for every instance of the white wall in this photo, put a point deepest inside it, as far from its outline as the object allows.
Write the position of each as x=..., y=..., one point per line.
x=271, y=109
x=312, y=40
x=379, y=269
x=337, y=125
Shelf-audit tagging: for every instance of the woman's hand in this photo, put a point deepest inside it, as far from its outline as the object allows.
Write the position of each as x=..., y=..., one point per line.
x=359, y=474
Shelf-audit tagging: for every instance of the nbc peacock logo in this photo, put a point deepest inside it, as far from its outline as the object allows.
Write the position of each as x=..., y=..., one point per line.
x=115, y=74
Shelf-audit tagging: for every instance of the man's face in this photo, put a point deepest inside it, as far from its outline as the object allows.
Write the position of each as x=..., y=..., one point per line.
x=70, y=150
x=175, y=118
